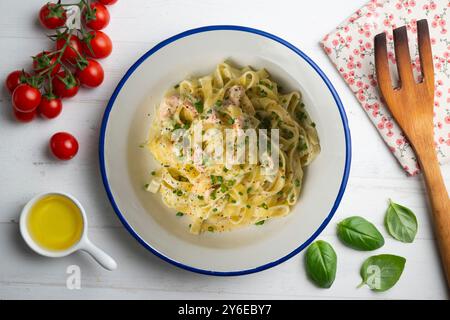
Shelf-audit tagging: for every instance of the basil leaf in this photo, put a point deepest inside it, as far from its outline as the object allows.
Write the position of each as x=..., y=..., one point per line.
x=401, y=222
x=360, y=234
x=321, y=263
x=382, y=272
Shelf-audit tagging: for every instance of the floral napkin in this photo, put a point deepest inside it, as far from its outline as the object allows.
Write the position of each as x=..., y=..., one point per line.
x=350, y=48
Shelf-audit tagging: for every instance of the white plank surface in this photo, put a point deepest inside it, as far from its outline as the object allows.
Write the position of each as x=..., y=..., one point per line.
x=136, y=26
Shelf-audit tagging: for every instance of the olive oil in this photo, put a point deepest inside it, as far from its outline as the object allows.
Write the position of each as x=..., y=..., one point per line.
x=55, y=223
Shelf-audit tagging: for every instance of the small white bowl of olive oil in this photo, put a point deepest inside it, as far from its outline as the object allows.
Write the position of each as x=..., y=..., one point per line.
x=55, y=225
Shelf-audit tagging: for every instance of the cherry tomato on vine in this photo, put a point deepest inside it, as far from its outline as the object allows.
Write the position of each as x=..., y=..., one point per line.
x=91, y=73
x=65, y=85
x=46, y=60
x=63, y=145
x=70, y=53
x=26, y=98
x=96, y=16
x=14, y=79
x=108, y=2
x=97, y=44
x=50, y=106
x=52, y=16
x=24, y=116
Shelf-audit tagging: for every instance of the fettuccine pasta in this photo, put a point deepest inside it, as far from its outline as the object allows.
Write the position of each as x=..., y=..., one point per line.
x=217, y=196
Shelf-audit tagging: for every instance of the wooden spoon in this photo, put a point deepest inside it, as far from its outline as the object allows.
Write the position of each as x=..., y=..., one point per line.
x=411, y=104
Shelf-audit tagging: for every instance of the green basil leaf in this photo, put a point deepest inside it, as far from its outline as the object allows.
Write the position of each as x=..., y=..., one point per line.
x=401, y=222
x=321, y=263
x=382, y=272
x=360, y=234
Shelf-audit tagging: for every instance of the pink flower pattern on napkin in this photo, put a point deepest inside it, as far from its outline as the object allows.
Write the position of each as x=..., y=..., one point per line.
x=350, y=48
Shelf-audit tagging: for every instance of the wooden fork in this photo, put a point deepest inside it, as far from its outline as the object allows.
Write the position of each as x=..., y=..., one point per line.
x=411, y=104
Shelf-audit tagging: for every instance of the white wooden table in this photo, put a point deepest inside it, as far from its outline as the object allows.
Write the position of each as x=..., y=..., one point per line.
x=136, y=26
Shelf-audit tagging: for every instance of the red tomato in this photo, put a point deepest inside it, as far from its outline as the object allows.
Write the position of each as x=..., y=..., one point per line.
x=65, y=85
x=92, y=74
x=26, y=98
x=97, y=45
x=63, y=145
x=52, y=16
x=108, y=2
x=44, y=61
x=96, y=16
x=50, y=106
x=24, y=116
x=14, y=79
x=74, y=46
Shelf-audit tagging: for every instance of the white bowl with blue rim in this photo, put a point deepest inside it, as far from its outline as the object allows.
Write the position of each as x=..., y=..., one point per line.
x=126, y=168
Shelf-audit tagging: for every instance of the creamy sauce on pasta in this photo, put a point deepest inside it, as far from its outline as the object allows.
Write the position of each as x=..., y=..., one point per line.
x=216, y=196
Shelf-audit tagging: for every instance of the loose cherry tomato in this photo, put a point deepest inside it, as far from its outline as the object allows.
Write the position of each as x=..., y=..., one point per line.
x=97, y=44
x=14, y=79
x=74, y=46
x=96, y=16
x=63, y=145
x=52, y=16
x=24, y=116
x=108, y=2
x=65, y=85
x=91, y=73
x=45, y=60
x=26, y=98
x=50, y=106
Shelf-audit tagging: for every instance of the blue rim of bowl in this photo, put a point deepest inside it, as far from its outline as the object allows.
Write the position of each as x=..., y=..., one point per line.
x=301, y=55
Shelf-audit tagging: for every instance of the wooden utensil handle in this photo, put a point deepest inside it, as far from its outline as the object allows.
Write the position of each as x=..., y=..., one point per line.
x=440, y=203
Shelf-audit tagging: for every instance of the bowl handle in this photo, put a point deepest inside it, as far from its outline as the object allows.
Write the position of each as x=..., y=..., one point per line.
x=99, y=255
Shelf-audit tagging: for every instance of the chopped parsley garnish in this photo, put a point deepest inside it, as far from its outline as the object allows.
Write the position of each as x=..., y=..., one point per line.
x=301, y=115
x=213, y=195
x=176, y=86
x=249, y=190
x=179, y=193
x=211, y=229
x=200, y=197
x=219, y=103
x=248, y=206
x=240, y=193
x=231, y=183
x=180, y=214
x=153, y=173
x=297, y=183
x=199, y=106
x=260, y=223
x=215, y=210
x=230, y=121
x=265, y=206
x=313, y=124
x=146, y=186
x=302, y=147
x=225, y=170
